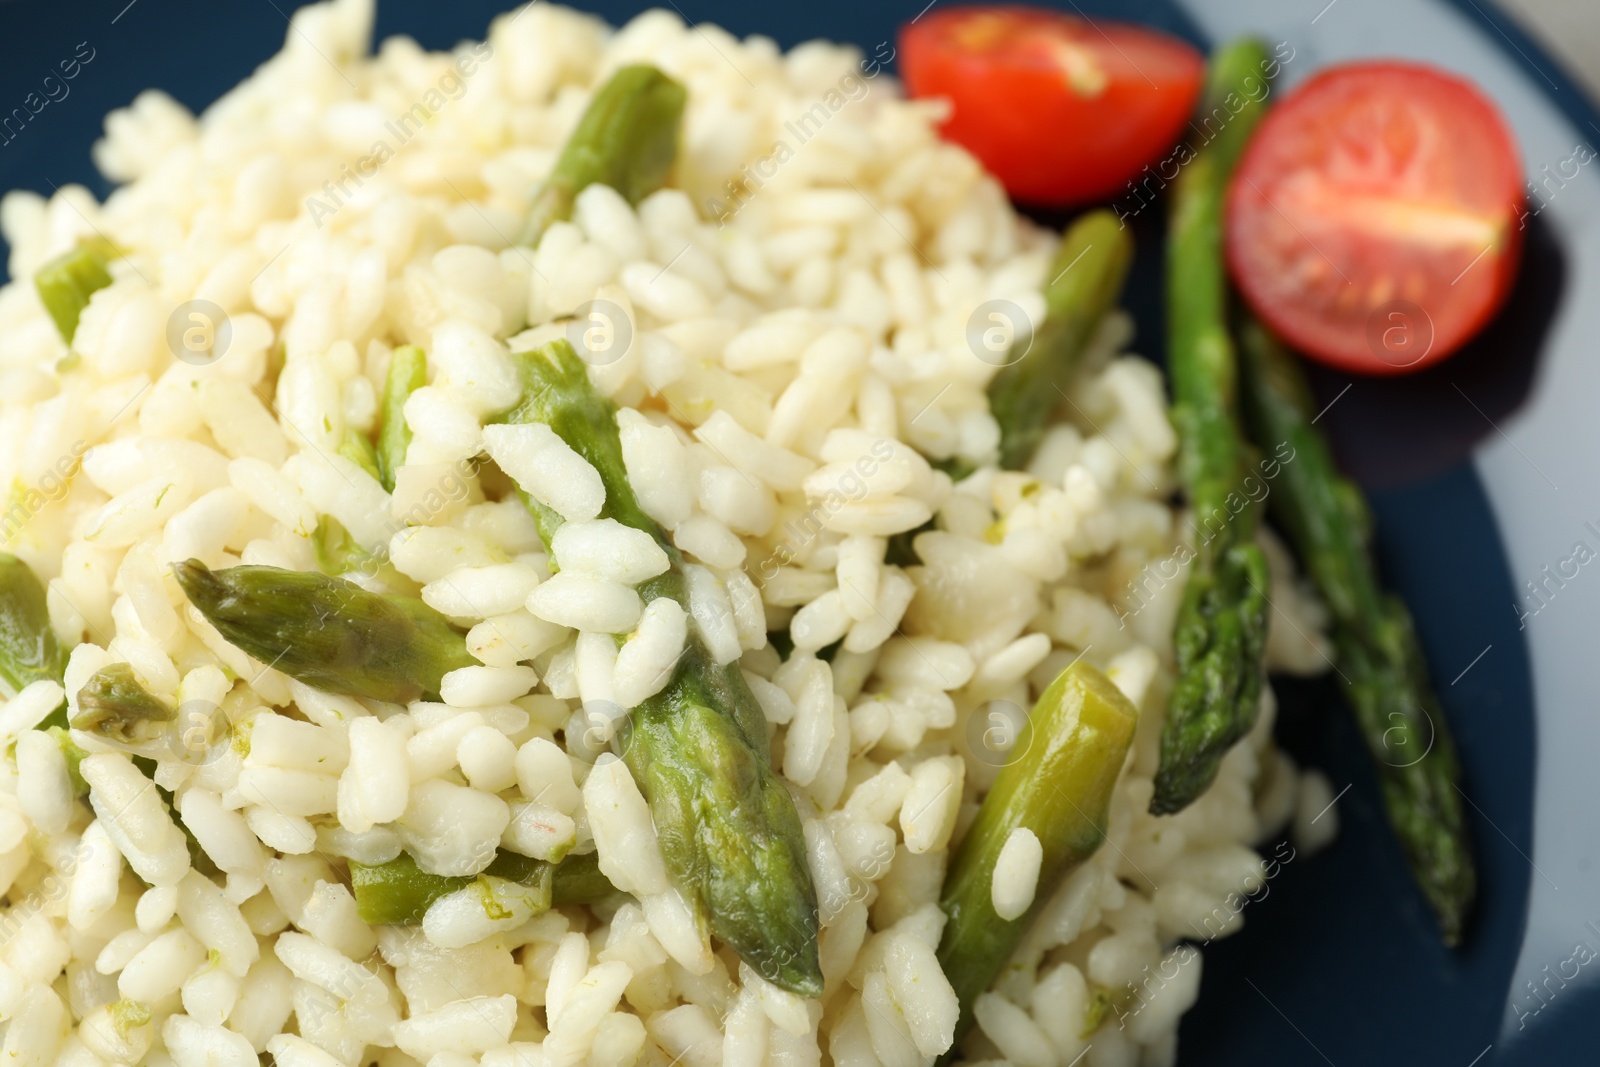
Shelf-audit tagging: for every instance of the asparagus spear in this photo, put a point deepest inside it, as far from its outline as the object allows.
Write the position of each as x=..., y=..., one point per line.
x=337, y=552
x=627, y=139
x=327, y=632
x=29, y=651
x=1222, y=623
x=113, y=705
x=1060, y=789
x=399, y=892
x=578, y=880
x=408, y=372
x=357, y=447
x=73, y=753
x=66, y=282
x=1394, y=705
x=116, y=707
x=1085, y=280
x=698, y=749
x=334, y=635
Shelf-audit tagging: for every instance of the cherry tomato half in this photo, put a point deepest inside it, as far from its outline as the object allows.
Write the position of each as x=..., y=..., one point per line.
x=1061, y=109
x=1375, y=219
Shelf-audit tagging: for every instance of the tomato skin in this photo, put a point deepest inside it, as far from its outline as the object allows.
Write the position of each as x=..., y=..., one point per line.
x=1375, y=219
x=1061, y=110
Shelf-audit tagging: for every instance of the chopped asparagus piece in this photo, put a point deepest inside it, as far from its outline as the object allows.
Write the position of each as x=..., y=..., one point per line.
x=1086, y=278
x=358, y=449
x=29, y=651
x=399, y=892
x=329, y=633
x=66, y=282
x=698, y=749
x=1059, y=788
x=408, y=372
x=114, y=706
x=627, y=139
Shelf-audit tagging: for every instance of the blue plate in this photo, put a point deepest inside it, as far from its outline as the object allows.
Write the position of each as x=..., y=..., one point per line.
x=1481, y=475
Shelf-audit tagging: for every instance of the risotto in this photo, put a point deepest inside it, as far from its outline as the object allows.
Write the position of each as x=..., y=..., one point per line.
x=787, y=334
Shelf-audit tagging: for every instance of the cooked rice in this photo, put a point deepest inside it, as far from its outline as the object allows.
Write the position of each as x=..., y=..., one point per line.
x=793, y=344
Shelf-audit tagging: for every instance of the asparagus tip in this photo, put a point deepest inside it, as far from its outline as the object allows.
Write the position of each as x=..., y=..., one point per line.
x=195, y=577
x=1180, y=783
x=808, y=984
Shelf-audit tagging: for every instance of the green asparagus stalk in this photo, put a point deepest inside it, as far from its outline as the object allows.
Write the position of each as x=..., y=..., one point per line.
x=1085, y=280
x=578, y=880
x=329, y=633
x=29, y=651
x=408, y=372
x=357, y=447
x=66, y=282
x=627, y=139
x=1086, y=277
x=698, y=749
x=337, y=552
x=75, y=755
x=1394, y=704
x=1060, y=789
x=1222, y=621
x=400, y=893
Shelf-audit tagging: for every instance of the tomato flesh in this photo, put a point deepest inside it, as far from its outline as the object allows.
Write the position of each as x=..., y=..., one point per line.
x=1374, y=221
x=1060, y=109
